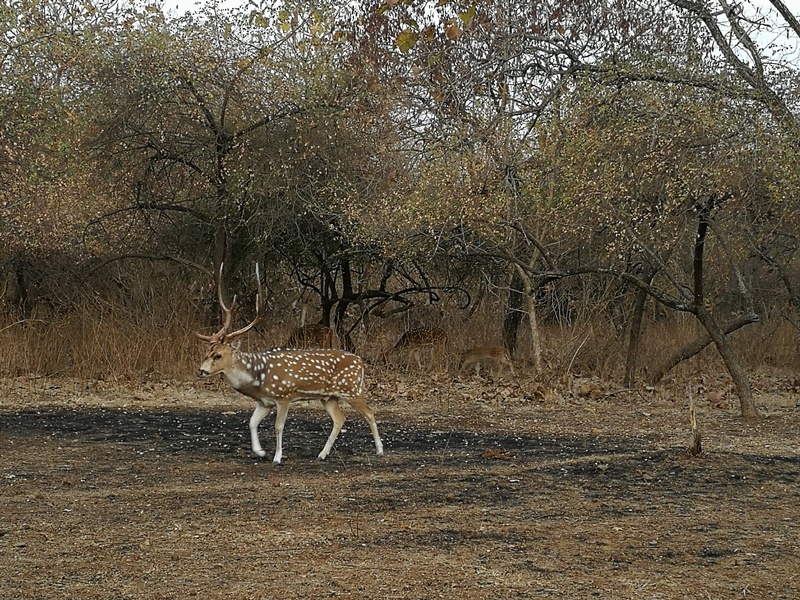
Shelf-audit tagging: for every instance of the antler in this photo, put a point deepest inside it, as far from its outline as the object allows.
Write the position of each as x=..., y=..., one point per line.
x=227, y=312
x=247, y=328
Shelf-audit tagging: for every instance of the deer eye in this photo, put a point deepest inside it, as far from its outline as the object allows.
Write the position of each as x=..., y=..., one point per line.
x=217, y=356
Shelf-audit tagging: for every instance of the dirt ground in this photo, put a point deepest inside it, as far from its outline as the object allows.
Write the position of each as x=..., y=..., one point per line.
x=487, y=490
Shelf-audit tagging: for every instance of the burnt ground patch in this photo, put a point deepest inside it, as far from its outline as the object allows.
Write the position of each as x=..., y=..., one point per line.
x=432, y=466
x=105, y=502
x=217, y=432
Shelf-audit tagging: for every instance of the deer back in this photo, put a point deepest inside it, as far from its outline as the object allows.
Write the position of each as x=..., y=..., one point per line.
x=488, y=353
x=422, y=336
x=280, y=373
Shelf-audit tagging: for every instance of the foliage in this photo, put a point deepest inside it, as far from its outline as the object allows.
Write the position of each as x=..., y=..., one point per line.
x=389, y=146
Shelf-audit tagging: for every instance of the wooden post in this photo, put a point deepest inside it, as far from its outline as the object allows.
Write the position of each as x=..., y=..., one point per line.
x=695, y=447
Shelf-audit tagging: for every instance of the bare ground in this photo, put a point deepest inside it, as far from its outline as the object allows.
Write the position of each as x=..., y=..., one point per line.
x=486, y=491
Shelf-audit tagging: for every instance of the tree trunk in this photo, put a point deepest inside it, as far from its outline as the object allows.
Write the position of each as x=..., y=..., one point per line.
x=530, y=301
x=740, y=379
x=221, y=276
x=696, y=444
x=635, y=331
x=514, y=312
x=343, y=302
x=21, y=281
x=695, y=347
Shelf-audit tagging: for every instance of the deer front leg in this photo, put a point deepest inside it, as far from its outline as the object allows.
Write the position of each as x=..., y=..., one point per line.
x=259, y=413
x=280, y=420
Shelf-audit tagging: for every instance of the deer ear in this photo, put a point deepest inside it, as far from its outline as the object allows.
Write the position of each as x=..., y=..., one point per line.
x=235, y=345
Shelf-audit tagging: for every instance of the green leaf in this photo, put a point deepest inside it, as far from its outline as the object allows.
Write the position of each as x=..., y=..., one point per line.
x=407, y=39
x=467, y=16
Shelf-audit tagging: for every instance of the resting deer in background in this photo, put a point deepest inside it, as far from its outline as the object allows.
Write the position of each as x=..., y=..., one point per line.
x=490, y=355
x=312, y=336
x=276, y=378
x=413, y=341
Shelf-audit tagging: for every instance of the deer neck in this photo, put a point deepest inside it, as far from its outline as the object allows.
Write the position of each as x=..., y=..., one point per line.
x=245, y=371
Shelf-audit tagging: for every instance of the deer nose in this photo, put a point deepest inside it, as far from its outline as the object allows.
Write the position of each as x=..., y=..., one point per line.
x=202, y=373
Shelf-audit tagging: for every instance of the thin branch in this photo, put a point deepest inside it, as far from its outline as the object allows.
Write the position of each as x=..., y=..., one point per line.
x=743, y=287
x=787, y=14
x=268, y=119
x=744, y=38
x=152, y=257
x=764, y=93
x=144, y=206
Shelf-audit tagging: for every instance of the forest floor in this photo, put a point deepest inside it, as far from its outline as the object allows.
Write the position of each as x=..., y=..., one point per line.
x=487, y=490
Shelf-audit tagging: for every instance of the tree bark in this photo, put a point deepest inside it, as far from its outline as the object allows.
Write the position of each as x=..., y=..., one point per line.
x=536, y=342
x=718, y=336
x=696, y=444
x=740, y=379
x=696, y=346
x=514, y=312
x=635, y=332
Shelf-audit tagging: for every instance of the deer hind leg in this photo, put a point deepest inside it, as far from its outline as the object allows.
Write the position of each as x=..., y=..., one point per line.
x=360, y=404
x=280, y=421
x=511, y=368
x=439, y=358
x=408, y=355
x=477, y=366
x=337, y=416
x=505, y=362
x=259, y=413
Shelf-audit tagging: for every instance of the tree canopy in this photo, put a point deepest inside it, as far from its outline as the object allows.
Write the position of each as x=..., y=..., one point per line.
x=380, y=150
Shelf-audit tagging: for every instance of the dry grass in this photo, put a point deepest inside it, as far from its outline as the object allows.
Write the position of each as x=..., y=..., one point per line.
x=98, y=339
x=147, y=331
x=152, y=492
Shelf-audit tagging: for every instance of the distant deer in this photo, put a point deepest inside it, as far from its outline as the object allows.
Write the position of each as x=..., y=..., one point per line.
x=312, y=336
x=490, y=355
x=276, y=378
x=413, y=341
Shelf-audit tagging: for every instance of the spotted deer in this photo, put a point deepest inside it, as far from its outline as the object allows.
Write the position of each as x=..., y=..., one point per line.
x=312, y=336
x=490, y=355
x=414, y=341
x=276, y=378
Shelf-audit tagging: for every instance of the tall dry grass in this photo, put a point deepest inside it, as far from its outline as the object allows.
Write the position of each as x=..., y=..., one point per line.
x=596, y=344
x=146, y=330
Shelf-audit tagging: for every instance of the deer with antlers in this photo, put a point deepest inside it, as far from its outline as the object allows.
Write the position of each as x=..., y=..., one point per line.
x=276, y=378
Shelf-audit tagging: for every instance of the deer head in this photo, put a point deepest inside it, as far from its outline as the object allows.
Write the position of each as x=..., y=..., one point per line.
x=222, y=344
